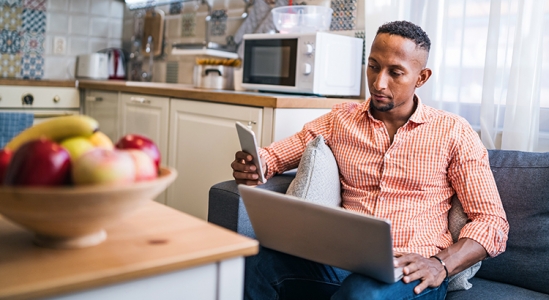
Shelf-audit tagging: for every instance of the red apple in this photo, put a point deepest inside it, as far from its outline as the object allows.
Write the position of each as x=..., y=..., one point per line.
x=134, y=141
x=104, y=166
x=5, y=157
x=39, y=162
x=145, y=169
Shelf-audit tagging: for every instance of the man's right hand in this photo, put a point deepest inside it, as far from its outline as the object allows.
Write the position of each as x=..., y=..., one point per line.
x=244, y=171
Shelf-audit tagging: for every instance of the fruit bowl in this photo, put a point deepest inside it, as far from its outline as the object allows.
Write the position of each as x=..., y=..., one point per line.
x=302, y=18
x=76, y=216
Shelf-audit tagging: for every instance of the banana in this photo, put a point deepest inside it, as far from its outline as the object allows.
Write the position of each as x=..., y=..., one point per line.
x=56, y=129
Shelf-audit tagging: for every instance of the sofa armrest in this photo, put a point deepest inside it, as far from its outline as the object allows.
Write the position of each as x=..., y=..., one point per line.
x=225, y=208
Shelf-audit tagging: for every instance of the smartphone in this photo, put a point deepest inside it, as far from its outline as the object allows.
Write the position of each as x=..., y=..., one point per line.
x=249, y=144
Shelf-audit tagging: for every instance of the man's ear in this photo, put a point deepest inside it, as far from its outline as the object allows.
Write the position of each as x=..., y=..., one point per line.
x=424, y=75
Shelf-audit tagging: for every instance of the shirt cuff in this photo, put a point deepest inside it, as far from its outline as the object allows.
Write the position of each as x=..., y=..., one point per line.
x=492, y=238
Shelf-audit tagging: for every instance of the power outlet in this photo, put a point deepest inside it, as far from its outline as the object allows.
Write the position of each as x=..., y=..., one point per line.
x=59, y=45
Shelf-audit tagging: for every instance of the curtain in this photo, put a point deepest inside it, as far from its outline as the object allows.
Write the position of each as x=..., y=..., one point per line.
x=490, y=62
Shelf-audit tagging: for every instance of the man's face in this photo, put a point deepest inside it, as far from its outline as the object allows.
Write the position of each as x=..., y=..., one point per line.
x=395, y=68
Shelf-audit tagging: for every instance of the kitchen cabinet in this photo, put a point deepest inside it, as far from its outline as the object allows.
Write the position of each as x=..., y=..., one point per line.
x=104, y=107
x=202, y=143
x=149, y=116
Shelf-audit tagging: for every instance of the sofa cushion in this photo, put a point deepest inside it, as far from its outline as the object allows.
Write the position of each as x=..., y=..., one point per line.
x=522, y=180
x=317, y=178
x=485, y=289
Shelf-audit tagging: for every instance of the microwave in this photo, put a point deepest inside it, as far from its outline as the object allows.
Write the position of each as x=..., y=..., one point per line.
x=319, y=63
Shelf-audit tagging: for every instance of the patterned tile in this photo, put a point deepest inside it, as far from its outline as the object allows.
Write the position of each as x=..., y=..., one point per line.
x=218, y=22
x=344, y=15
x=35, y=4
x=10, y=65
x=32, y=66
x=175, y=8
x=362, y=35
x=10, y=18
x=188, y=22
x=34, y=20
x=12, y=3
x=10, y=42
x=33, y=43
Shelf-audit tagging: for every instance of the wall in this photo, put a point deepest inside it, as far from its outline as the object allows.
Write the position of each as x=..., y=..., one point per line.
x=86, y=26
x=185, y=23
x=39, y=39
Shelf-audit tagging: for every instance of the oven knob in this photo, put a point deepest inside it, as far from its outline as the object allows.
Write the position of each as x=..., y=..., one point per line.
x=309, y=49
x=56, y=99
x=307, y=69
x=27, y=99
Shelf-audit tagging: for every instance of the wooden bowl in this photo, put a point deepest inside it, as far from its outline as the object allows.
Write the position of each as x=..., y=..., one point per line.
x=76, y=216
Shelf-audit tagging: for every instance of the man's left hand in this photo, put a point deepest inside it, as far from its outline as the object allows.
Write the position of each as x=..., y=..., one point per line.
x=416, y=267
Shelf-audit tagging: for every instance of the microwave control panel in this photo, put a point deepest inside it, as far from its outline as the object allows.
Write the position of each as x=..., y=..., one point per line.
x=306, y=60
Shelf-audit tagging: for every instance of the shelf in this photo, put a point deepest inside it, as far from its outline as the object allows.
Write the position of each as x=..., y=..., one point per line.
x=209, y=52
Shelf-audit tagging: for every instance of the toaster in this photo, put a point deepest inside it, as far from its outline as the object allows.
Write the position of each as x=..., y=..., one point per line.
x=92, y=66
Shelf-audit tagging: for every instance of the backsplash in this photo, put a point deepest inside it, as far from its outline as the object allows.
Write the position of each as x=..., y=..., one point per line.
x=39, y=39
x=22, y=35
x=185, y=23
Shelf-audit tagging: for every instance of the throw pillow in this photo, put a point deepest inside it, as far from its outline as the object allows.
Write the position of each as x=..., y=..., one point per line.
x=456, y=220
x=317, y=177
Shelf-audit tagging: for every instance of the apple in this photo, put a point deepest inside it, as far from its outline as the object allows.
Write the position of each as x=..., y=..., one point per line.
x=77, y=146
x=5, y=157
x=39, y=162
x=145, y=169
x=101, y=140
x=104, y=166
x=134, y=141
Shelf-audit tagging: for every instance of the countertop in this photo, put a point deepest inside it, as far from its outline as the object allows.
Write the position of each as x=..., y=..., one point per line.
x=182, y=91
x=49, y=83
x=155, y=239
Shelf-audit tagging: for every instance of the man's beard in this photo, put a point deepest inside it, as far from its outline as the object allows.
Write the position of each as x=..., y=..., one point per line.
x=385, y=108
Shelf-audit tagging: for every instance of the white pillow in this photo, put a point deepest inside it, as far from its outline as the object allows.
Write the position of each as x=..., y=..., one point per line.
x=456, y=220
x=317, y=177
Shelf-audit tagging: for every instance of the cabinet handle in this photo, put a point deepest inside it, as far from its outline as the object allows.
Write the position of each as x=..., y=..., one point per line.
x=94, y=99
x=250, y=123
x=140, y=100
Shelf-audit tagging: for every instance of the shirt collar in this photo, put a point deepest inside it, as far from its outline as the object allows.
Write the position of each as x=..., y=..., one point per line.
x=420, y=116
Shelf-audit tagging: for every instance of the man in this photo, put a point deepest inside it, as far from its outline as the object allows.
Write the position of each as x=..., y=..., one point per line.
x=398, y=159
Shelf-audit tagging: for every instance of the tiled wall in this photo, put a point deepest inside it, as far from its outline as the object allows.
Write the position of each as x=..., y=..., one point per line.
x=32, y=31
x=39, y=39
x=22, y=34
x=86, y=26
x=185, y=23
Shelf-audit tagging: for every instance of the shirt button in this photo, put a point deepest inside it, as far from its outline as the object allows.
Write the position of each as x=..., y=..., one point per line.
x=381, y=198
x=387, y=156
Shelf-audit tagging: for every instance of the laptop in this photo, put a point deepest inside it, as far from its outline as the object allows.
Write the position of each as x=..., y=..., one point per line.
x=329, y=235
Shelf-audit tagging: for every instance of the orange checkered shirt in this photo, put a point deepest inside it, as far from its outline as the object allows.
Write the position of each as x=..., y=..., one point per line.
x=411, y=181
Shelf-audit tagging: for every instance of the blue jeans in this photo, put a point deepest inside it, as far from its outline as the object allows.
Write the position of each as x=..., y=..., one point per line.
x=274, y=275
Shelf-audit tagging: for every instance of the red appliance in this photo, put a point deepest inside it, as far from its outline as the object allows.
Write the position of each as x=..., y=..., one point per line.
x=116, y=64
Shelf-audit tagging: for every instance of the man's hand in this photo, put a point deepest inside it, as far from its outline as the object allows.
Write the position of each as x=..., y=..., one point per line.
x=416, y=267
x=244, y=171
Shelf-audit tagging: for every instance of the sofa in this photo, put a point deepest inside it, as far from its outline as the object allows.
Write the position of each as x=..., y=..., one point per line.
x=521, y=272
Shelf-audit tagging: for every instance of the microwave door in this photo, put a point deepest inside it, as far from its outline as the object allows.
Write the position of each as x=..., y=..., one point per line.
x=270, y=62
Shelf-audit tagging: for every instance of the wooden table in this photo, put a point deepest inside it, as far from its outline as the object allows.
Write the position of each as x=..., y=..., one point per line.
x=156, y=253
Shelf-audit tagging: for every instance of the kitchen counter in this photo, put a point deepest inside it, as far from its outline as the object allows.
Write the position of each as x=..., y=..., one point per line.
x=154, y=240
x=47, y=83
x=182, y=91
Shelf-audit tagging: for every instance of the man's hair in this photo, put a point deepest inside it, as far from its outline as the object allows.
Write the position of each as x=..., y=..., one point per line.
x=407, y=30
